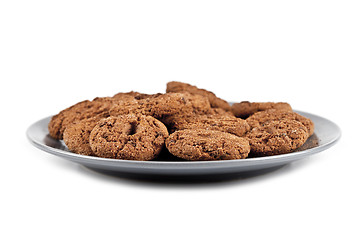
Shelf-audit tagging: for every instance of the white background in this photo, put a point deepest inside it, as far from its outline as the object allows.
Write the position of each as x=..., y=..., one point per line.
x=56, y=53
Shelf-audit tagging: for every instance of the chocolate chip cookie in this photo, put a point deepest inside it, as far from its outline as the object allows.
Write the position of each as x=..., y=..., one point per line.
x=200, y=144
x=132, y=137
x=262, y=117
x=277, y=137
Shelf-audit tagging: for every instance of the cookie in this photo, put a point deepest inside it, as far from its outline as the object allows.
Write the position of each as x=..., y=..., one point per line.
x=200, y=144
x=246, y=109
x=277, y=137
x=162, y=105
x=77, y=112
x=222, y=123
x=262, y=117
x=129, y=137
x=184, y=87
x=76, y=135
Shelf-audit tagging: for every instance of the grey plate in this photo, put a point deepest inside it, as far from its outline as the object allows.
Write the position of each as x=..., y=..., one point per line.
x=326, y=134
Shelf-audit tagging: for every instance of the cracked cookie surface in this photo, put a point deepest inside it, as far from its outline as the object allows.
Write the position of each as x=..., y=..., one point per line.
x=277, y=137
x=200, y=145
x=132, y=137
x=76, y=136
x=260, y=118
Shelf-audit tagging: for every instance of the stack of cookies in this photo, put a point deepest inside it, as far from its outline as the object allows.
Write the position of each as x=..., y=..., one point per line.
x=191, y=123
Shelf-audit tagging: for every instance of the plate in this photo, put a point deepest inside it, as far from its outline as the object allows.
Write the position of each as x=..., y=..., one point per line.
x=326, y=135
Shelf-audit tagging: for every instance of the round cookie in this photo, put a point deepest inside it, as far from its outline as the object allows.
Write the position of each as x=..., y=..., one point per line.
x=76, y=135
x=77, y=112
x=184, y=87
x=200, y=144
x=222, y=123
x=277, y=137
x=132, y=137
x=262, y=117
x=245, y=109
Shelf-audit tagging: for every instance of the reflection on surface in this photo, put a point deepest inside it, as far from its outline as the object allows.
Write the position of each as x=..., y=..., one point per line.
x=312, y=142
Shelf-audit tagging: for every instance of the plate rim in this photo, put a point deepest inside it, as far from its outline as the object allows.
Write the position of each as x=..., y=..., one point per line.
x=190, y=164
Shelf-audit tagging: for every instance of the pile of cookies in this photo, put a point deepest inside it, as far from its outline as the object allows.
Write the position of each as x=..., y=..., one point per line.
x=190, y=123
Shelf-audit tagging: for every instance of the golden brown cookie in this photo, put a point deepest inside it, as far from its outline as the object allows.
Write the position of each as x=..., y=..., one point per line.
x=246, y=109
x=76, y=135
x=277, y=137
x=200, y=144
x=262, y=117
x=128, y=137
x=184, y=87
x=77, y=112
x=222, y=123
